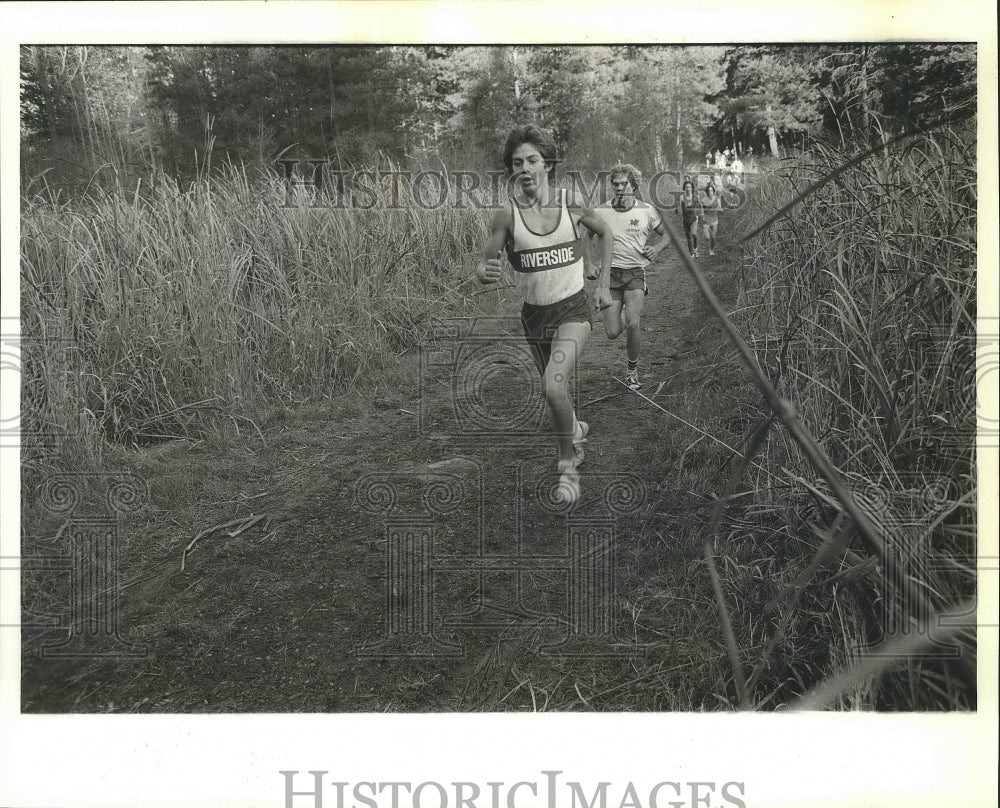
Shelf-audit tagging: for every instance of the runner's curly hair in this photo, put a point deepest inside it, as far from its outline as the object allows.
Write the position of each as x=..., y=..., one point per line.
x=634, y=174
x=541, y=139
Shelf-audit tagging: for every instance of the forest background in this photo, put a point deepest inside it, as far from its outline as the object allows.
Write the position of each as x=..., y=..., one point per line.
x=88, y=112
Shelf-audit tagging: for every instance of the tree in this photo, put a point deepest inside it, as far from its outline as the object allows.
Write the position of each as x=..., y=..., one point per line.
x=576, y=89
x=770, y=89
x=492, y=94
x=873, y=90
x=669, y=103
x=94, y=107
x=355, y=103
x=921, y=84
x=85, y=105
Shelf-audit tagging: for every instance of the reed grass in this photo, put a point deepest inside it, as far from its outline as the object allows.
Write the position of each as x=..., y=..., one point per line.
x=183, y=307
x=861, y=298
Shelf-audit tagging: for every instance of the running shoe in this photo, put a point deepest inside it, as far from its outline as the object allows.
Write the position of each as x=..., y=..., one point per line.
x=568, y=488
x=711, y=252
x=632, y=379
x=580, y=438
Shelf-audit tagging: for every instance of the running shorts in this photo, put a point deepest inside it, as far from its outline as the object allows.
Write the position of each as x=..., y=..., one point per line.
x=625, y=280
x=540, y=323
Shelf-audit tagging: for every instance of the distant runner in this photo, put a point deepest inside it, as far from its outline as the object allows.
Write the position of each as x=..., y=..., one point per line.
x=539, y=230
x=737, y=170
x=710, y=216
x=689, y=216
x=631, y=221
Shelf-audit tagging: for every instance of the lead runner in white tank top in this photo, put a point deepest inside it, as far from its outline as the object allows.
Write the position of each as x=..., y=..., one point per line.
x=548, y=267
x=539, y=233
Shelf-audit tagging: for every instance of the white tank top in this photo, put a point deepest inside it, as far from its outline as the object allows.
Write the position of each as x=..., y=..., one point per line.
x=548, y=267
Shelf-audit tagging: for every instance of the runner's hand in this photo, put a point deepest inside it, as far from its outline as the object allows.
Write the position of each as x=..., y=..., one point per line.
x=602, y=299
x=489, y=271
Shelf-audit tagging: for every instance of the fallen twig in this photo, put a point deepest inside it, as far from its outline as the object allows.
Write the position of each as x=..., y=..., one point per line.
x=241, y=524
x=245, y=526
x=602, y=398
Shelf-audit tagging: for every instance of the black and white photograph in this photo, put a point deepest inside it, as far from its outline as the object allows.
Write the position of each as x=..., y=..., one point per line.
x=446, y=379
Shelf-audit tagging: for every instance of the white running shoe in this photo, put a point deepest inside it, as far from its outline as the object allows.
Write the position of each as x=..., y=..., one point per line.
x=632, y=379
x=711, y=252
x=580, y=438
x=568, y=488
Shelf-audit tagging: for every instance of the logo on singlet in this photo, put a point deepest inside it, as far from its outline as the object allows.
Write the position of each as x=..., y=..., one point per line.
x=542, y=258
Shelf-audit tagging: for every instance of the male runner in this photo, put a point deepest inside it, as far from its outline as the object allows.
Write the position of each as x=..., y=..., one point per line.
x=539, y=230
x=631, y=221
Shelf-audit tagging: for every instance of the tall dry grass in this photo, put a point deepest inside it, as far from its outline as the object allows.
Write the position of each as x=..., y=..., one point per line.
x=180, y=307
x=860, y=304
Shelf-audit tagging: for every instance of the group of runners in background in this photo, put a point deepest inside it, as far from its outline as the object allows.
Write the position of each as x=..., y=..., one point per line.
x=703, y=210
x=540, y=232
x=729, y=160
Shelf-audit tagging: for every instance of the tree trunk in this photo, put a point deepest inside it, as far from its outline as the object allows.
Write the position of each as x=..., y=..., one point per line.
x=772, y=135
x=331, y=84
x=679, y=143
x=772, y=139
x=51, y=93
x=370, y=103
x=864, y=92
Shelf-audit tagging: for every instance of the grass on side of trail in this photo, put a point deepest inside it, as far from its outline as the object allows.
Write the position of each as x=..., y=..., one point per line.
x=859, y=302
x=162, y=311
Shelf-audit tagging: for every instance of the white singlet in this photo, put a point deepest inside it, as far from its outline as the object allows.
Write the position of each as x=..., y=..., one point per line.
x=549, y=266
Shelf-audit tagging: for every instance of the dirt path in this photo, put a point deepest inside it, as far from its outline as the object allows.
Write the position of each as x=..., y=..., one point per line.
x=393, y=527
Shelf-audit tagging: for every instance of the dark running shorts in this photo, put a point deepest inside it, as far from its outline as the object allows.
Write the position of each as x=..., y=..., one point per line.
x=625, y=280
x=540, y=323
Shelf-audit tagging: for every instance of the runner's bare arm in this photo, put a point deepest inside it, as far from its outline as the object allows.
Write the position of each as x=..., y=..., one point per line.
x=489, y=267
x=650, y=251
x=586, y=216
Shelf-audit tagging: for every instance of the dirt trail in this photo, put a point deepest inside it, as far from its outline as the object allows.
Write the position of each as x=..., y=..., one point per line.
x=292, y=614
